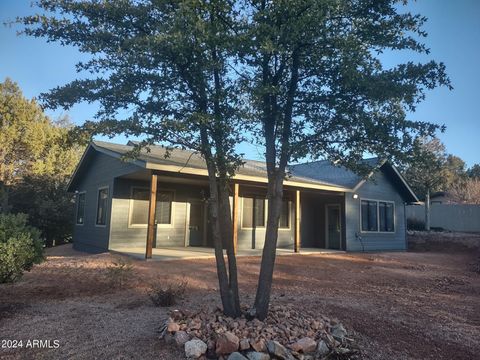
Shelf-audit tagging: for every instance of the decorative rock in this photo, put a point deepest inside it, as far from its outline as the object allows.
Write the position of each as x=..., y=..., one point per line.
x=322, y=348
x=169, y=338
x=251, y=313
x=304, y=345
x=255, y=355
x=176, y=314
x=244, y=344
x=236, y=356
x=278, y=350
x=172, y=327
x=195, y=324
x=338, y=332
x=211, y=350
x=259, y=345
x=181, y=337
x=195, y=348
x=227, y=343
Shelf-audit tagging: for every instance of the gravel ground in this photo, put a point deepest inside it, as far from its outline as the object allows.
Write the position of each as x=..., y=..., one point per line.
x=413, y=305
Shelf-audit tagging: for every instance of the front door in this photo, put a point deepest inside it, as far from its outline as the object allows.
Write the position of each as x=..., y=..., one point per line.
x=196, y=223
x=334, y=227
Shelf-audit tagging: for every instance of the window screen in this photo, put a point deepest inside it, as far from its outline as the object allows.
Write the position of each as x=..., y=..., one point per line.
x=102, y=206
x=139, y=215
x=385, y=210
x=285, y=215
x=369, y=216
x=164, y=207
x=140, y=201
x=81, y=209
x=253, y=212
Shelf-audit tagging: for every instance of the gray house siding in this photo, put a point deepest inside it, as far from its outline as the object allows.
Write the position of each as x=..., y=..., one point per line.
x=124, y=235
x=380, y=188
x=99, y=170
x=99, y=173
x=313, y=219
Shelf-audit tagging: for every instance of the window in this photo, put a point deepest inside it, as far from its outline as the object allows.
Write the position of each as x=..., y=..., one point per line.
x=253, y=212
x=377, y=216
x=164, y=207
x=139, y=206
x=385, y=209
x=81, y=208
x=102, y=206
x=285, y=215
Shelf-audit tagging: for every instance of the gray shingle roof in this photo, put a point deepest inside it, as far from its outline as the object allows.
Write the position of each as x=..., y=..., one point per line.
x=328, y=173
x=319, y=172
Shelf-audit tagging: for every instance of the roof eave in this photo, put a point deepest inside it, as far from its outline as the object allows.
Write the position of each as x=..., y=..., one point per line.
x=397, y=173
x=241, y=177
x=100, y=149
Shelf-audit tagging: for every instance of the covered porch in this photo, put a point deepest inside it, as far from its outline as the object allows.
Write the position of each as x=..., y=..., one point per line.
x=147, y=223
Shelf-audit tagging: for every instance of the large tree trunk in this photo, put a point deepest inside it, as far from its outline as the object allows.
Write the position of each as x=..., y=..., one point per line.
x=226, y=226
x=228, y=289
x=220, y=219
x=265, y=279
x=276, y=176
x=427, y=211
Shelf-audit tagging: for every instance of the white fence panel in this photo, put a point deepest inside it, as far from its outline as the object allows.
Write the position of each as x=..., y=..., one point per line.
x=449, y=217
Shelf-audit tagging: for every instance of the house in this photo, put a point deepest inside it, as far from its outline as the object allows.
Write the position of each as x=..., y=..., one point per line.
x=325, y=206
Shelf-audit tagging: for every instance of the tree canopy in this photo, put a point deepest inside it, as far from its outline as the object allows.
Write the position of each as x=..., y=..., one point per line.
x=37, y=159
x=427, y=170
x=474, y=171
x=30, y=143
x=302, y=77
x=319, y=89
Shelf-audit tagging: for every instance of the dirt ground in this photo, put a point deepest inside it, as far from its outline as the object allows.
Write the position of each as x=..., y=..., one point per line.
x=408, y=305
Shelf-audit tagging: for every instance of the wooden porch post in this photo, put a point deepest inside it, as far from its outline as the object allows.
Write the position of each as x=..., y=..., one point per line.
x=152, y=205
x=297, y=221
x=236, y=188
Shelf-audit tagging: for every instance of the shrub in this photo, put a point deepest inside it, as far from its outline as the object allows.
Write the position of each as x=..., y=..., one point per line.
x=48, y=204
x=414, y=224
x=119, y=272
x=20, y=247
x=168, y=293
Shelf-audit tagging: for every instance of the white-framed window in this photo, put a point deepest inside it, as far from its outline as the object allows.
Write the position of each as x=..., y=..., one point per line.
x=139, y=207
x=102, y=205
x=377, y=216
x=80, y=215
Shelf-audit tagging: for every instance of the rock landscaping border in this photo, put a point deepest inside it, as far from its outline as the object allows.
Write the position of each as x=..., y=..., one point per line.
x=287, y=334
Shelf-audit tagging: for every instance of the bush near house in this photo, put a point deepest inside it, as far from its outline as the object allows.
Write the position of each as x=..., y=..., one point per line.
x=20, y=247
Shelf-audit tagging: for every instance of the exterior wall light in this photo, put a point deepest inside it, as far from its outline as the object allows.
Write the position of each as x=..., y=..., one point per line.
x=355, y=196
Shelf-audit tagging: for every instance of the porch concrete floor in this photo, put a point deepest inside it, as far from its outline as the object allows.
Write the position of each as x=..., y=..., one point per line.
x=183, y=253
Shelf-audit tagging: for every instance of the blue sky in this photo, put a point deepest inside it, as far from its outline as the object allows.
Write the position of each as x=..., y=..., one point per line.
x=454, y=38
